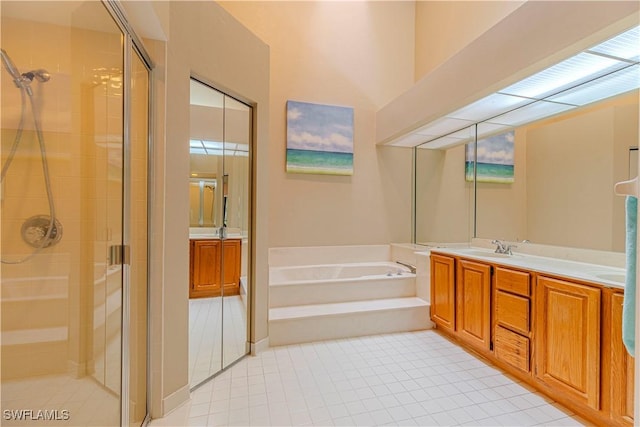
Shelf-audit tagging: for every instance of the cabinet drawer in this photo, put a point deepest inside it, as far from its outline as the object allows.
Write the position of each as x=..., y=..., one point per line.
x=511, y=348
x=513, y=311
x=517, y=282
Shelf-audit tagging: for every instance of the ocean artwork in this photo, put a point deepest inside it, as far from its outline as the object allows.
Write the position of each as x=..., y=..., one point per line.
x=319, y=139
x=495, y=159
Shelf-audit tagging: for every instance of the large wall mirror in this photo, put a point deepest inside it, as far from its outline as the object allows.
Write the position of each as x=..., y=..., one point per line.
x=219, y=231
x=564, y=171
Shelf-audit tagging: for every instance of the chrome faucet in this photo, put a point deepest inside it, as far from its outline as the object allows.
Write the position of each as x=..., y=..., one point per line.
x=411, y=268
x=503, y=248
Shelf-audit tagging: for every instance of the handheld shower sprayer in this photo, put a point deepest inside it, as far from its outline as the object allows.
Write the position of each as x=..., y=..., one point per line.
x=11, y=68
x=23, y=80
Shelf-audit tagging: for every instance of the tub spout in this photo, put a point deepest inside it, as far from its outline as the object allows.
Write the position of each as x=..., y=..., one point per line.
x=412, y=268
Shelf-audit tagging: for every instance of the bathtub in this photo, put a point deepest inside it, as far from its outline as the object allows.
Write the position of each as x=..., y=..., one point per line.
x=334, y=283
x=324, y=272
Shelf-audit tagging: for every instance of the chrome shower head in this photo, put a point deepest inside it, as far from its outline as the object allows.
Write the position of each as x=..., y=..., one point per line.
x=23, y=81
x=39, y=74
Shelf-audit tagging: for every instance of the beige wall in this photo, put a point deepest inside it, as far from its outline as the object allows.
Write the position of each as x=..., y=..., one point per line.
x=445, y=27
x=357, y=54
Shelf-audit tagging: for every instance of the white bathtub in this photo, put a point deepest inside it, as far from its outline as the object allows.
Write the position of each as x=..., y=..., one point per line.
x=332, y=283
x=322, y=272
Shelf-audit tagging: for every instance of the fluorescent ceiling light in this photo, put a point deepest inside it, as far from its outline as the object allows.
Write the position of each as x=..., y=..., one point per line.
x=214, y=148
x=607, y=69
x=443, y=126
x=212, y=145
x=410, y=140
x=531, y=113
x=605, y=87
x=462, y=136
x=575, y=70
x=486, y=129
x=624, y=46
x=496, y=103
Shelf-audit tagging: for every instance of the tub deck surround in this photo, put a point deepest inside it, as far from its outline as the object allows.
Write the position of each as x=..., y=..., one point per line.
x=335, y=283
x=606, y=275
x=319, y=293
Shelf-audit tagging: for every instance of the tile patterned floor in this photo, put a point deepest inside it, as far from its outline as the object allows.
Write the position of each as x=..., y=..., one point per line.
x=87, y=402
x=417, y=378
x=206, y=334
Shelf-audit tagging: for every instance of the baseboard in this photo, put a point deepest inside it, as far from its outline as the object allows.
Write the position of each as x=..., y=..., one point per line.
x=259, y=346
x=175, y=399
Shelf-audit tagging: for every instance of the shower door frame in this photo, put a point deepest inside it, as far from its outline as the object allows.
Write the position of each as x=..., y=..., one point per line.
x=132, y=45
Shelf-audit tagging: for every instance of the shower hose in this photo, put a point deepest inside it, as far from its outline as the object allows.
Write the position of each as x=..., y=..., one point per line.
x=23, y=83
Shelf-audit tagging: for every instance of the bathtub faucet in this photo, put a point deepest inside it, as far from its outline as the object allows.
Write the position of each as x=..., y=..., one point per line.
x=412, y=268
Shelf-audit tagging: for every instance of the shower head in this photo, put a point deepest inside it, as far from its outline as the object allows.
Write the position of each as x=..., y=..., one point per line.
x=23, y=81
x=11, y=68
x=39, y=74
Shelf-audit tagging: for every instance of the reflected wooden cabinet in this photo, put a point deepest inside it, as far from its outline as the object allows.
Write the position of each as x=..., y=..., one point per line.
x=568, y=338
x=210, y=271
x=443, y=292
x=622, y=368
x=473, y=303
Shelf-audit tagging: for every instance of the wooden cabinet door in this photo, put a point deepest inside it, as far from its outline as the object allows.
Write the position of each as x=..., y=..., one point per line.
x=568, y=338
x=622, y=368
x=443, y=292
x=231, y=267
x=473, y=303
x=205, y=268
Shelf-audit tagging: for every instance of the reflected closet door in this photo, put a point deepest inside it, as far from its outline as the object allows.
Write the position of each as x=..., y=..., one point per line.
x=236, y=214
x=206, y=170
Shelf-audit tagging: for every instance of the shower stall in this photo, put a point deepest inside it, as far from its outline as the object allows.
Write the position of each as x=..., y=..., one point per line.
x=74, y=207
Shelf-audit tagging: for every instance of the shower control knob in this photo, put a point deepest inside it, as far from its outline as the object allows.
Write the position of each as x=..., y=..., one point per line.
x=40, y=232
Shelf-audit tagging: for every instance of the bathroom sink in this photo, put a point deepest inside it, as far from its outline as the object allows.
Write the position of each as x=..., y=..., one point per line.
x=485, y=254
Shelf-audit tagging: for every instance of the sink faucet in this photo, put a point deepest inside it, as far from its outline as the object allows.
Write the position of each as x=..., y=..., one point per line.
x=503, y=248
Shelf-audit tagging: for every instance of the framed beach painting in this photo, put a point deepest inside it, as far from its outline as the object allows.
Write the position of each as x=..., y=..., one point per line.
x=319, y=139
x=495, y=159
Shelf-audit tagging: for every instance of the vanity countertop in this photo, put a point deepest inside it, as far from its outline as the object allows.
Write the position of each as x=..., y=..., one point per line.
x=613, y=277
x=213, y=236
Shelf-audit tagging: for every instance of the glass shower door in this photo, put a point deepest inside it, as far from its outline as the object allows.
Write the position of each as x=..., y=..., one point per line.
x=73, y=150
x=62, y=151
x=137, y=238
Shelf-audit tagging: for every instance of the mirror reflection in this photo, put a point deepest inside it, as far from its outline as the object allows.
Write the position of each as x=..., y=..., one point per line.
x=219, y=215
x=202, y=195
x=443, y=198
x=565, y=170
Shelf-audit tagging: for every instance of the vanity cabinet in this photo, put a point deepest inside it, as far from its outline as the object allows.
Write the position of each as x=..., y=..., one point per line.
x=473, y=303
x=562, y=336
x=208, y=275
x=568, y=338
x=622, y=368
x=443, y=292
x=512, y=318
